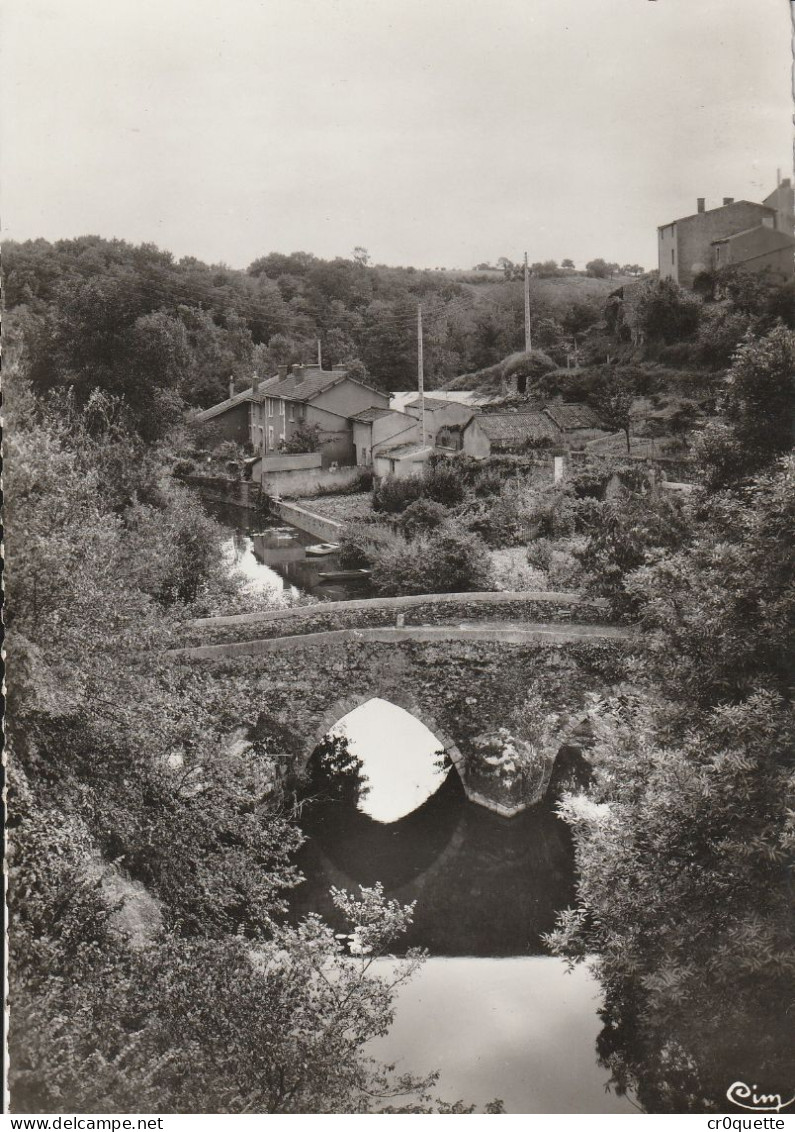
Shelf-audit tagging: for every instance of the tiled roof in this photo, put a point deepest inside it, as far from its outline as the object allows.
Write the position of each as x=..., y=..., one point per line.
x=573, y=416
x=371, y=414
x=304, y=386
x=786, y=238
x=253, y=393
x=431, y=403
x=516, y=428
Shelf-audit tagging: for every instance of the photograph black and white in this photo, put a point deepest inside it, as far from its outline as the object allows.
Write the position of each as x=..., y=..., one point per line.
x=399, y=409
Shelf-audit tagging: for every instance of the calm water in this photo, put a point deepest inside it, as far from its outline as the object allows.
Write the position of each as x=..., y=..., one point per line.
x=491, y=1010
x=276, y=562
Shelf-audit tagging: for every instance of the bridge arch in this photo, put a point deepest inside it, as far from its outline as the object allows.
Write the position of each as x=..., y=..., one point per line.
x=500, y=701
x=407, y=702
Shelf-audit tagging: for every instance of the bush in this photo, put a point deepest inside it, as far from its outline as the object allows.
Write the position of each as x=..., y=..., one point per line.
x=361, y=542
x=498, y=522
x=720, y=333
x=443, y=483
x=448, y=561
x=306, y=438
x=539, y=553
x=552, y=513
x=422, y=516
x=563, y=570
x=665, y=312
x=183, y=467
x=393, y=495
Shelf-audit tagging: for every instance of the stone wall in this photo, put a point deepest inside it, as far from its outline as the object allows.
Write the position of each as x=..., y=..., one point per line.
x=329, y=530
x=424, y=609
x=297, y=481
x=501, y=711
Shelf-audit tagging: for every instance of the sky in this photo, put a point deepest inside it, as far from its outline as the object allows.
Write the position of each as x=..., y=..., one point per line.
x=438, y=133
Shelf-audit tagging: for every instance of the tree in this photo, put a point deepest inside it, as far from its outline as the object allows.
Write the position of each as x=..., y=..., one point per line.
x=548, y=269
x=598, y=268
x=665, y=312
x=567, y=264
x=614, y=402
x=756, y=414
x=306, y=438
x=627, y=532
x=684, y=838
x=361, y=256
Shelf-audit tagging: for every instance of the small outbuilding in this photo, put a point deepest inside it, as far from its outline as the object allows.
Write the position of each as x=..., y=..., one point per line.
x=491, y=433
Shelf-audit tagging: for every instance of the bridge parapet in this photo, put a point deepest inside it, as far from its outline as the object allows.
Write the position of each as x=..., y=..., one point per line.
x=415, y=610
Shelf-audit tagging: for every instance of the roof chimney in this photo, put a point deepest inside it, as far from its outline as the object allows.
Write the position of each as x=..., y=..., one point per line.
x=728, y=200
x=231, y=387
x=701, y=202
x=282, y=371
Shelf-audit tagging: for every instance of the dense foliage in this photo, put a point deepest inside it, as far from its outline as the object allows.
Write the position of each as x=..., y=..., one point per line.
x=93, y=313
x=685, y=838
x=150, y=837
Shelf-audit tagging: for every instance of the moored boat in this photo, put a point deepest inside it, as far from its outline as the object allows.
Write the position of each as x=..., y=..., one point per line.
x=319, y=549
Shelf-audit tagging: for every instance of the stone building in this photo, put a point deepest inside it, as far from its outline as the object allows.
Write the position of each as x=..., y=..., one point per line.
x=492, y=433
x=271, y=411
x=756, y=237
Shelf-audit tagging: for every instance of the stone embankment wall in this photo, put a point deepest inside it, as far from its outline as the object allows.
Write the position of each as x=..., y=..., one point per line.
x=482, y=699
x=329, y=530
x=423, y=609
x=301, y=473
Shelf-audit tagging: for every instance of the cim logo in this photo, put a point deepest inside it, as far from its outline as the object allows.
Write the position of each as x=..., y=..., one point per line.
x=739, y=1092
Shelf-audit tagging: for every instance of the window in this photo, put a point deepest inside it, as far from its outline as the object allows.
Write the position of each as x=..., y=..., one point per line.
x=270, y=436
x=673, y=255
x=281, y=407
x=270, y=406
x=292, y=411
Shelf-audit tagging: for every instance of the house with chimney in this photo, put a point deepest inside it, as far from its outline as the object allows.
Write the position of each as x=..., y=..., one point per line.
x=270, y=412
x=739, y=233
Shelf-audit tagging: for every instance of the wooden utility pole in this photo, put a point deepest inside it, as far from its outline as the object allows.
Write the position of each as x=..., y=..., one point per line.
x=420, y=374
x=527, y=341
x=319, y=356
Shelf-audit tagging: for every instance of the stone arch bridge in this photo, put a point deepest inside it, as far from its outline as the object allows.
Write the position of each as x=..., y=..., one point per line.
x=504, y=681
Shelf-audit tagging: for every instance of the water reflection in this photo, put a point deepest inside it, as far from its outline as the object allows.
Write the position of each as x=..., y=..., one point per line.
x=382, y=805
x=239, y=555
x=484, y=885
x=519, y=1029
x=272, y=555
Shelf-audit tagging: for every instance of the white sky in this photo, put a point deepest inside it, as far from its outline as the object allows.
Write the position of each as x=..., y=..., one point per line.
x=434, y=132
x=398, y=758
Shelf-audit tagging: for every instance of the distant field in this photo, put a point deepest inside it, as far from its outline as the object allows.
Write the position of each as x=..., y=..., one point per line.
x=566, y=289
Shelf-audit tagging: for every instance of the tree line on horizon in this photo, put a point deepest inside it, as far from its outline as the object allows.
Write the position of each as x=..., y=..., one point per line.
x=170, y=334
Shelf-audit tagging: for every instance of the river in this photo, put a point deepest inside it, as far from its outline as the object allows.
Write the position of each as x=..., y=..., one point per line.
x=271, y=554
x=491, y=1008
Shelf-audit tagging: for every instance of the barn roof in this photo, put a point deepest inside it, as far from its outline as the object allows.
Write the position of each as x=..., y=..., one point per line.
x=568, y=417
x=517, y=428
